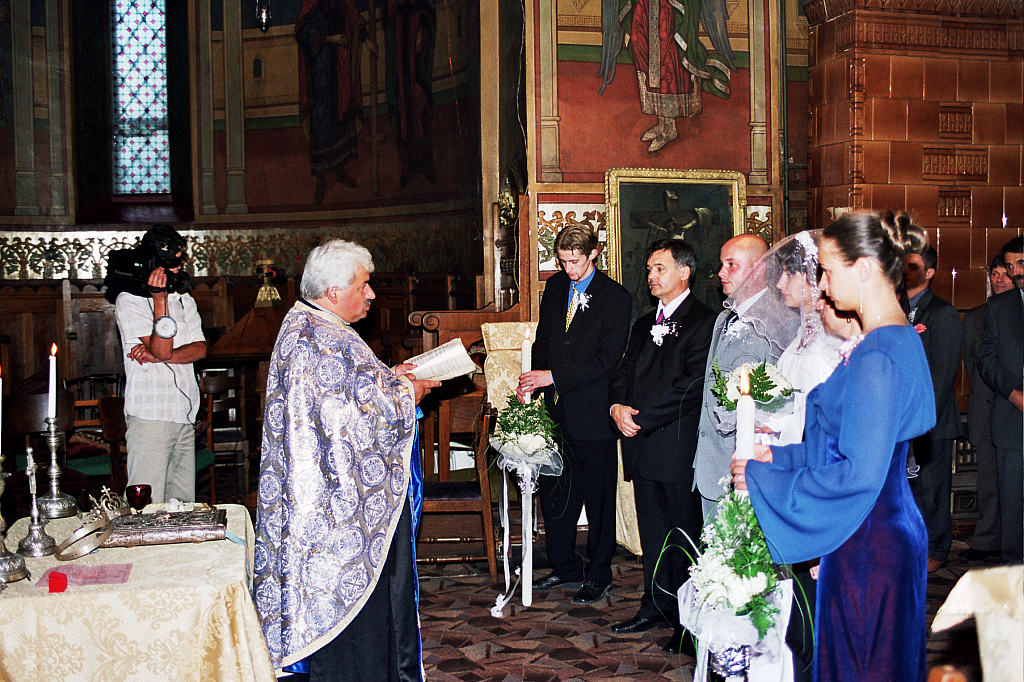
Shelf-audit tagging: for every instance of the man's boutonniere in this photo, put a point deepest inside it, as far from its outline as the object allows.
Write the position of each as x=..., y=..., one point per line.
x=663, y=329
x=584, y=301
x=920, y=328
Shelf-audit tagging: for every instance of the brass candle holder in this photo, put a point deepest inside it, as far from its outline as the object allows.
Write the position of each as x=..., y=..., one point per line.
x=55, y=504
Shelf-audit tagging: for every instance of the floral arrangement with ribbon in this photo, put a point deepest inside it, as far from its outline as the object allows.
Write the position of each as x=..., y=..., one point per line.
x=770, y=390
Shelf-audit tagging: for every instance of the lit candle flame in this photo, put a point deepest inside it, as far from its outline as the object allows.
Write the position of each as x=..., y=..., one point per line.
x=527, y=337
x=744, y=383
x=53, y=349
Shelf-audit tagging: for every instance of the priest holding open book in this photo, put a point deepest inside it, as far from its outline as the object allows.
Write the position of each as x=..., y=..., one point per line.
x=335, y=580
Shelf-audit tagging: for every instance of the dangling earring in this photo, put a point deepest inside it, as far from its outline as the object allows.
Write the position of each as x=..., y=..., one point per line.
x=861, y=299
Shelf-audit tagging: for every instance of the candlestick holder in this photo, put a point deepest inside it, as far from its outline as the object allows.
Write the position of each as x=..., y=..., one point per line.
x=12, y=566
x=37, y=543
x=55, y=504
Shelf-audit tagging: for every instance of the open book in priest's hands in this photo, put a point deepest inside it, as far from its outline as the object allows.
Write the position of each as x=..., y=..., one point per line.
x=447, y=361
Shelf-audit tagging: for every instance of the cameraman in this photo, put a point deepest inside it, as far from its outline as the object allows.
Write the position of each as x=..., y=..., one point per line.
x=162, y=336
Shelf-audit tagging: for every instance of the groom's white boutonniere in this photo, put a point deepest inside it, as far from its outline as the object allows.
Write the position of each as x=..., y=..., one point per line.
x=663, y=329
x=584, y=301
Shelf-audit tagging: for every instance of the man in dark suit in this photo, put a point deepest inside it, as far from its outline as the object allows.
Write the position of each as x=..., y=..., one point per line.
x=942, y=334
x=1000, y=363
x=985, y=544
x=656, y=397
x=581, y=335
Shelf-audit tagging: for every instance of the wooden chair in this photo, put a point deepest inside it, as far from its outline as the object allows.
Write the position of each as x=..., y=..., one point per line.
x=463, y=497
x=88, y=391
x=113, y=429
x=87, y=440
x=223, y=399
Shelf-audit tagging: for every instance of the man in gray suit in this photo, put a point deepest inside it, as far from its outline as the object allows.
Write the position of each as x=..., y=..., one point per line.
x=1000, y=363
x=985, y=545
x=740, y=345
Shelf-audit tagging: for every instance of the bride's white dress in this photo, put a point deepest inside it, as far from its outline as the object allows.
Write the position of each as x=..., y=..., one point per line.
x=805, y=367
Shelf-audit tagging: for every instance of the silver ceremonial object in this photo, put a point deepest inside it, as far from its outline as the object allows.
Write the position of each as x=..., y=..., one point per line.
x=12, y=566
x=55, y=504
x=85, y=538
x=37, y=543
x=164, y=528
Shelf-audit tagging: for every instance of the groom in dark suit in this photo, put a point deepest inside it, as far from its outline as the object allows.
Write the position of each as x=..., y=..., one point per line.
x=942, y=334
x=656, y=399
x=1000, y=359
x=581, y=335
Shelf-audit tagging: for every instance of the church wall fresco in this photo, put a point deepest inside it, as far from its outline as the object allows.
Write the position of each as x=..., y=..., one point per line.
x=405, y=181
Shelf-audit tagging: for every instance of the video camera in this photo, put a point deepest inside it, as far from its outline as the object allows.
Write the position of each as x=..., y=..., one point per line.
x=129, y=269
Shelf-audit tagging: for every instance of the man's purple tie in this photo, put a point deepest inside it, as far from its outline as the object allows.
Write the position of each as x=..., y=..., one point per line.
x=661, y=316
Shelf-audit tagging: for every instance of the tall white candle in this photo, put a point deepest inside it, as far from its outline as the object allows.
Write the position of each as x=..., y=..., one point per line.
x=51, y=404
x=526, y=359
x=745, y=420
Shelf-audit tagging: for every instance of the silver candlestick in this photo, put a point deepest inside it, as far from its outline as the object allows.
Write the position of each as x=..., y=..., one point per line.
x=12, y=566
x=37, y=543
x=56, y=504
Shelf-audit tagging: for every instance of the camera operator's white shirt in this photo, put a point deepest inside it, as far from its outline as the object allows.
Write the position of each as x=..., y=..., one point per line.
x=159, y=391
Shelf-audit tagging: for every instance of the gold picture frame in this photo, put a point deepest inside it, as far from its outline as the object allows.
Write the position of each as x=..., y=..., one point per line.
x=705, y=208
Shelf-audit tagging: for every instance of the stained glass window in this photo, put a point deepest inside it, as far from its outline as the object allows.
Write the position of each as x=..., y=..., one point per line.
x=141, y=143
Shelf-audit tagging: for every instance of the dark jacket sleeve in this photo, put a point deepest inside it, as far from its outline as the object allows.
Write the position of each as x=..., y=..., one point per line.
x=999, y=378
x=681, y=396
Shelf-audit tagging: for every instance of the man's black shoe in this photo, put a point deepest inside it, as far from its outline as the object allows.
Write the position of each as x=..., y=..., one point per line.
x=681, y=643
x=591, y=592
x=553, y=581
x=638, y=623
x=972, y=554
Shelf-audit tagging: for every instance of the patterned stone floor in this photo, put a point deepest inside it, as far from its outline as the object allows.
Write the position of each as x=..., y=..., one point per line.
x=556, y=640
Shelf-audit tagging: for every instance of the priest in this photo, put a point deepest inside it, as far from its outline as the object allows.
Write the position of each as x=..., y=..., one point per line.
x=335, y=580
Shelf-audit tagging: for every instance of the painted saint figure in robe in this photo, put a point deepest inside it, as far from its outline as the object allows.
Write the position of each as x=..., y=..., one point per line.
x=410, y=29
x=329, y=33
x=673, y=67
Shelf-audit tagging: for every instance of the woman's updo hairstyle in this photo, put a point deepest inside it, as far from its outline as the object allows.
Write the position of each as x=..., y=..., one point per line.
x=885, y=238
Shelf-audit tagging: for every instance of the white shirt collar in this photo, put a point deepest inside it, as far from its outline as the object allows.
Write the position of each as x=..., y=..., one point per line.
x=673, y=305
x=745, y=306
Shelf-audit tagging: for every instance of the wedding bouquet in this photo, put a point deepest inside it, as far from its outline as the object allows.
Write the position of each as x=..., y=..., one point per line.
x=770, y=390
x=768, y=387
x=524, y=435
x=735, y=573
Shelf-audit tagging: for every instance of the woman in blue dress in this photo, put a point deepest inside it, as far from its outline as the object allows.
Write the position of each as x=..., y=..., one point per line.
x=842, y=494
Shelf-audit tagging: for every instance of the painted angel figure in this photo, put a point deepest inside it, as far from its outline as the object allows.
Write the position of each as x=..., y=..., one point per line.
x=673, y=67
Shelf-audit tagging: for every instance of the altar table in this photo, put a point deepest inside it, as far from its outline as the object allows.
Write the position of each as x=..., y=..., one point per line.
x=185, y=614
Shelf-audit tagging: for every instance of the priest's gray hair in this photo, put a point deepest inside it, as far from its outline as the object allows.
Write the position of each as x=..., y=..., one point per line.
x=333, y=264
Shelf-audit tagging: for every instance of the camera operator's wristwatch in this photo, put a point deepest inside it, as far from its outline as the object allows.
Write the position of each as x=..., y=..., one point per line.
x=165, y=327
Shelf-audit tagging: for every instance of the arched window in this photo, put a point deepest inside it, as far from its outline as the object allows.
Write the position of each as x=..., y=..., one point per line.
x=141, y=144
x=131, y=111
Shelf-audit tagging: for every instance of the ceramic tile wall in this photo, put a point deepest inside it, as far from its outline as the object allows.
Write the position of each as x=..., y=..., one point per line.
x=920, y=111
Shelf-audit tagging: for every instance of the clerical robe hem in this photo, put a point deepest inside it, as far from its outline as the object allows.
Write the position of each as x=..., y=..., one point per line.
x=669, y=105
x=329, y=636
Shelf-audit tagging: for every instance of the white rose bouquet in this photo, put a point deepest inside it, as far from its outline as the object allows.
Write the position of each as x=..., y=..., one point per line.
x=770, y=390
x=735, y=572
x=524, y=435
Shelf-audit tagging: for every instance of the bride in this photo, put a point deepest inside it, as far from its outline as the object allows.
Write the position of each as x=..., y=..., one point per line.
x=842, y=494
x=810, y=358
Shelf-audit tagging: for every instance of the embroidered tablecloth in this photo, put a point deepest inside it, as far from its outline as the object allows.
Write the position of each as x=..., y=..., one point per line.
x=184, y=614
